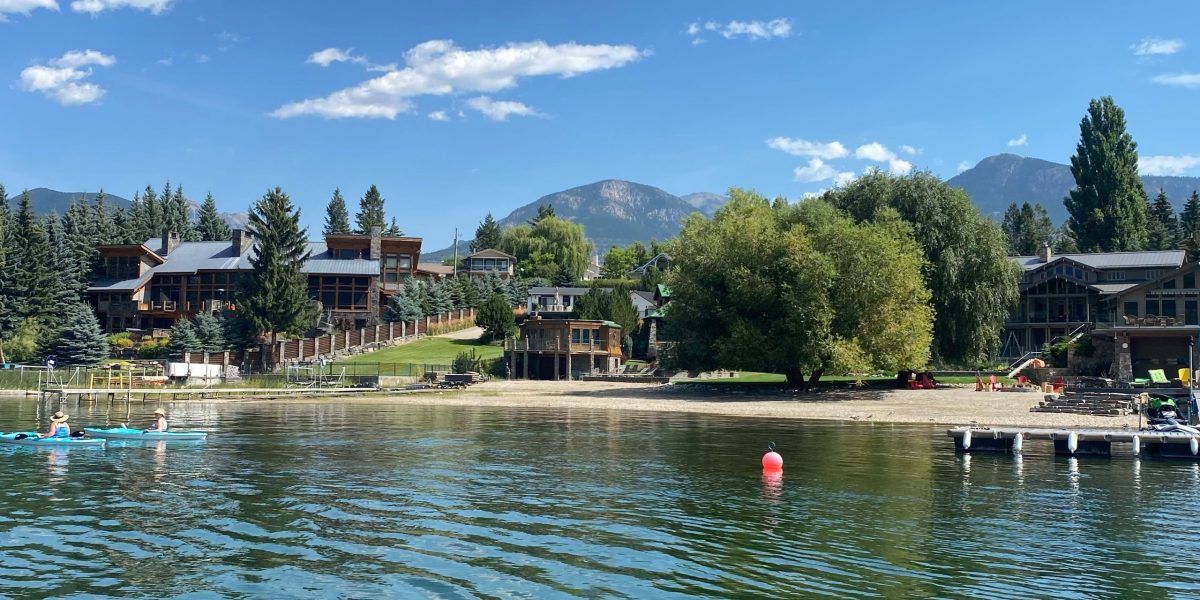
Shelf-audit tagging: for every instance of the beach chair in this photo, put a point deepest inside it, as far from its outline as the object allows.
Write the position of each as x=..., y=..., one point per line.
x=1158, y=377
x=1022, y=381
x=1185, y=376
x=1060, y=383
x=994, y=384
x=978, y=384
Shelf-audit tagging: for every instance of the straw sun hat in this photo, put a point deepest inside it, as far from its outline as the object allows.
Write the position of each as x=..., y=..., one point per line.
x=159, y=411
x=59, y=417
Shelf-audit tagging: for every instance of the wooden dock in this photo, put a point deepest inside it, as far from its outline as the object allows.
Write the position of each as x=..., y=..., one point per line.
x=1077, y=442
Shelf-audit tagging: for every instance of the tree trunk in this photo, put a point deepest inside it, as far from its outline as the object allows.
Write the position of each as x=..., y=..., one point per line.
x=795, y=378
x=815, y=377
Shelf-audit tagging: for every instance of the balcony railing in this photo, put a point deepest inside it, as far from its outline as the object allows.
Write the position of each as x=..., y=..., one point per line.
x=556, y=345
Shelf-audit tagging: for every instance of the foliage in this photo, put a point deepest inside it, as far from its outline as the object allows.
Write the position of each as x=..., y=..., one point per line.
x=177, y=214
x=24, y=345
x=553, y=248
x=183, y=338
x=1027, y=228
x=966, y=268
x=496, y=318
x=210, y=226
x=608, y=304
x=797, y=289
x=393, y=228
x=440, y=299
x=337, y=218
x=370, y=211
x=210, y=333
x=403, y=306
x=274, y=293
x=487, y=235
x=120, y=341
x=26, y=260
x=81, y=343
x=1189, y=217
x=1108, y=205
x=152, y=348
x=618, y=263
x=1163, y=228
x=543, y=211
x=467, y=361
x=651, y=279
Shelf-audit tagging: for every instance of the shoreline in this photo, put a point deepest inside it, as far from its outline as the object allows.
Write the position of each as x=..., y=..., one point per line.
x=948, y=406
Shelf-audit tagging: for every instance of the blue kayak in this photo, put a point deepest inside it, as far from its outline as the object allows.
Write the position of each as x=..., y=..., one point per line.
x=128, y=433
x=32, y=439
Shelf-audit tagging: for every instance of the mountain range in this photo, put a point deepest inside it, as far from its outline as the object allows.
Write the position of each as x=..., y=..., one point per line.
x=45, y=200
x=1004, y=178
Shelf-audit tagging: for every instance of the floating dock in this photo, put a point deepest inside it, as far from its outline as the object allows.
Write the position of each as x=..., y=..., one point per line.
x=1077, y=442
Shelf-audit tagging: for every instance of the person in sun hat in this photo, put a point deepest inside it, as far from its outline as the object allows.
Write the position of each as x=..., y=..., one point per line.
x=160, y=421
x=58, y=426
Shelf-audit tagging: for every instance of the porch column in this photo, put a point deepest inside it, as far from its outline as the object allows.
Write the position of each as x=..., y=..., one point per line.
x=1124, y=354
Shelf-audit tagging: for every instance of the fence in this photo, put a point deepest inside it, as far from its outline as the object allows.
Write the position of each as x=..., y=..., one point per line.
x=309, y=349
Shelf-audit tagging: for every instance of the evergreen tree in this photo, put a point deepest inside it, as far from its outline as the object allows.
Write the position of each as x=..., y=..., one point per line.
x=1163, y=231
x=123, y=227
x=651, y=279
x=81, y=343
x=210, y=226
x=183, y=338
x=393, y=229
x=512, y=289
x=104, y=230
x=471, y=298
x=402, y=307
x=32, y=278
x=79, y=234
x=370, y=211
x=70, y=270
x=210, y=333
x=1064, y=240
x=1026, y=228
x=337, y=218
x=178, y=215
x=496, y=318
x=487, y=235
x=1108, y=205
x=543, y=211
x=153, y=220
x=440, y=300
x=1189, y=218
x=274, y=293
x=10, y=315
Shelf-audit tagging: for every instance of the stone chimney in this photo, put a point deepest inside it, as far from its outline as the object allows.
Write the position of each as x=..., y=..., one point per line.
x=170, y=241
x=242, y=240
x=1045, y=252
x=376, y=247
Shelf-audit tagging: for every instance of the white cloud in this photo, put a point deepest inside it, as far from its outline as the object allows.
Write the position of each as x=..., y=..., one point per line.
x=799, y=147
x=63, y=78
x=964, y=165
x=500, y=110
x=897, y=166
x=693, y=28
x=874, y=151
x=156, y=7
x=844, y=178
x=1167, y=165
x=911, y=151
x=439, y=115
x=166, y=62
x=24, y=7
x=755, y=30
x=1157, y=46
x=202, y=58
x=1185, y=80
x=1021, y=141
x=815, y=170
x=227, y=39
x=329, y=56
x=439, y=68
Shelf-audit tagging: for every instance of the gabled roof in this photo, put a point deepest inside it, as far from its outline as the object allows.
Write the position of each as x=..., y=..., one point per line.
x=645, y=295
x=152, y=254
x=120, y=285
x=490, y=253
x=322, y=262
x=1110, y=260
x=189, y=257
x=566, y=291
x=435, y=268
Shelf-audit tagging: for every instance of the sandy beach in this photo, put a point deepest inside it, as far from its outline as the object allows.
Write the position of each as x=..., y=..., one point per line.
x=950, y=406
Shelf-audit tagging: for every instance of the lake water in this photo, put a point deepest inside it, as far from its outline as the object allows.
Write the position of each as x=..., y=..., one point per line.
x=358, y=501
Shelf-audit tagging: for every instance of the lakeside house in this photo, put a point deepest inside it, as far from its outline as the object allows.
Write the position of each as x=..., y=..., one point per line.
x=490, y=260
x=554, y=300
x=156, y=283
x=1144, y=307
x=564, y=348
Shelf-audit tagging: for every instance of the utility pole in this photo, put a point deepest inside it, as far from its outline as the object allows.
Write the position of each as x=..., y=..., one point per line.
x=455, y=265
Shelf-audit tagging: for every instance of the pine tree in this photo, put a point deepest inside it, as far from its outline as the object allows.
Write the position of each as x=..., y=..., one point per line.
x=70, y=270
x=178, y=215
x=496, y=318
x=1164, y=226
x=471, y=298
x=1108, y=205
x=32, y=279
x=210, y=333
x=124, y=230
x=337, y=218
x=543, y=211
x=1189, y=218
x=440, y=299
x=274, y=293
x=370, y=211
x=10, y=316
x=79, y=233
x=183, y=338
x=393, y=229
x=81, y=343
x=151, y=220
x=210, y=226
x=104, y=231
x=487, y=235
x=1064, y=240
x=402, y=307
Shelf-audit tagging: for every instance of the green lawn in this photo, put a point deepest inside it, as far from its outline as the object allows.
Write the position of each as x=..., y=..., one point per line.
x=430, y=351
x=752, y=378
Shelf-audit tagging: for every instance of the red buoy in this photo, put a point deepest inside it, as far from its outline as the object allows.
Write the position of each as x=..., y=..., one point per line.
x=772, y=462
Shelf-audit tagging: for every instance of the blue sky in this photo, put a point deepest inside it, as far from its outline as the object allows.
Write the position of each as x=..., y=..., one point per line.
x=454, y=110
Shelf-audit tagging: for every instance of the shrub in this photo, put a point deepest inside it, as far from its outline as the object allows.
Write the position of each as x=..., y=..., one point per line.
x=467, y=361
x=120, y=341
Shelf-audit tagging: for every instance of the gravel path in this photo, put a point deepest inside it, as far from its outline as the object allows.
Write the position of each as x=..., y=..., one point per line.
x=470, y=333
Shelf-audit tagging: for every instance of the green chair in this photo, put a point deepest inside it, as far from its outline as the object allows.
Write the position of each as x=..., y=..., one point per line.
x=1157, y=376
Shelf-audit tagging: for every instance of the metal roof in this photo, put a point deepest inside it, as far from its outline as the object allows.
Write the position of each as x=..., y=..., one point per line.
x=1112, y=288
x=189, y=257
x=321, y=262
x=120, y=285
x=550, y=291
x=1110, y=260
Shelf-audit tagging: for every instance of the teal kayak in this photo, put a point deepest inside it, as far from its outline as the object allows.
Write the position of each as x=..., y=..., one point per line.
x=32, y=439
x=128, y=433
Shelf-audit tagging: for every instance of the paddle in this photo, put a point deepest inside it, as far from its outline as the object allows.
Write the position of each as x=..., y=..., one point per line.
x=20, y=436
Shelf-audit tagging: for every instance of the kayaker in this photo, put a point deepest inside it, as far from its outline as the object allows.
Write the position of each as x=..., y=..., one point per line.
x=58, y=426
x=160, y=421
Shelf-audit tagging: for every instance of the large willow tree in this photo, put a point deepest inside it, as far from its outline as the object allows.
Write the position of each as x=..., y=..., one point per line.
x=551, y=247
x=797, y=290
x=967, y=270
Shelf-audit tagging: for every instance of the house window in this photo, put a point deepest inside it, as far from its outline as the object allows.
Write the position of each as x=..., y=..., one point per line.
x=1131, y=309
x=1116, y=275
x=1169, y=284
x=346, y=254
x=1154, y=274
x=340, y=293
x=1168, y=308
x=1189, y=281
x=396, y=267
x=1152, y=308
x=121, y=267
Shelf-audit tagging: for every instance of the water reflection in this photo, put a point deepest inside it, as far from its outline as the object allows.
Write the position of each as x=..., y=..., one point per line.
x=772, y=486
